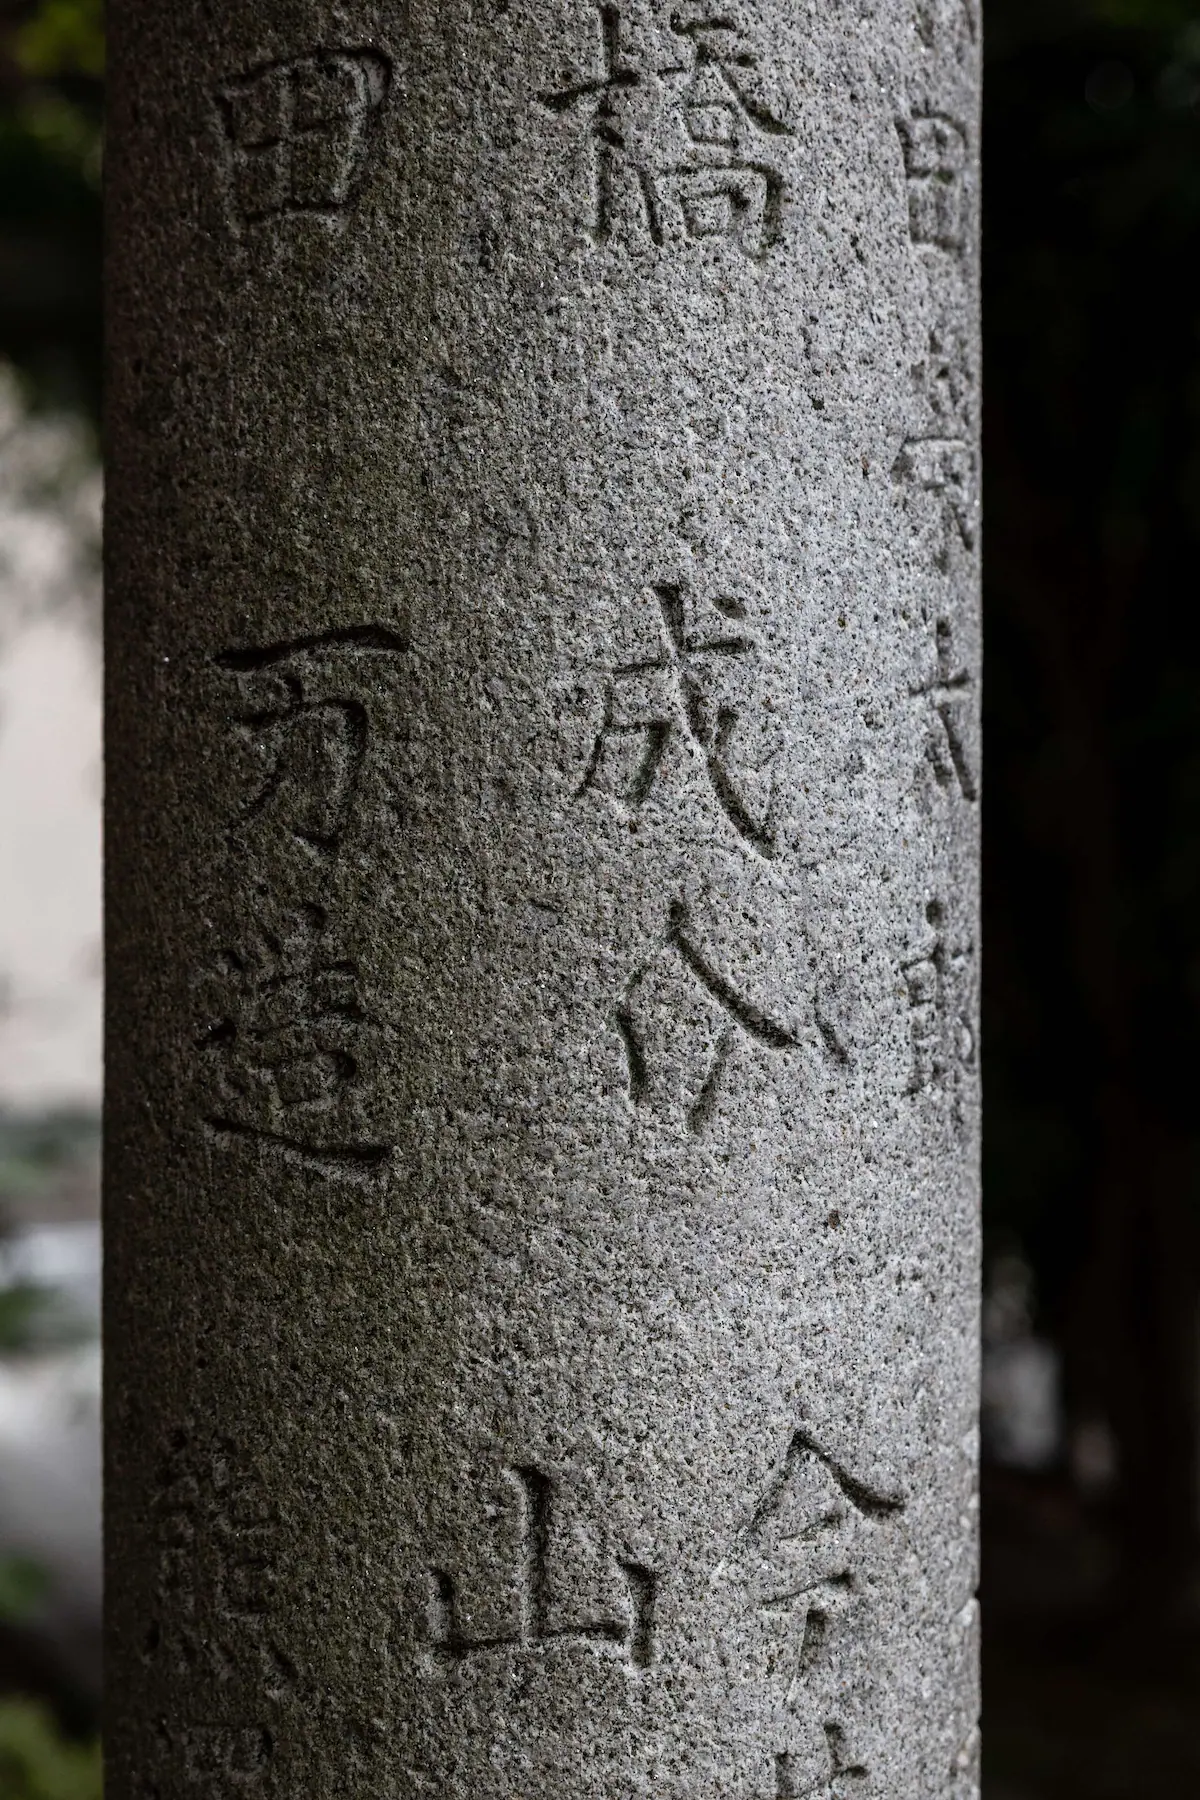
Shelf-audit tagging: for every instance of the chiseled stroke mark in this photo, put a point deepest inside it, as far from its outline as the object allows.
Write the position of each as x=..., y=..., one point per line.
x=830, y=1038
x=705, y=1104
x=350, y=637
x=750, y=1017
x=310, y=733
x=873, y=1502
x=337, y=1159
x=635, y=1055
x=635, y=1634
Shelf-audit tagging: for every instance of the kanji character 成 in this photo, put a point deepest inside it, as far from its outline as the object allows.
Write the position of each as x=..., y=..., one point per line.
x=676, y=693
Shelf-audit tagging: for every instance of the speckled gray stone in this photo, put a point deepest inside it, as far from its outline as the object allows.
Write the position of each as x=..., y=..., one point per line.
x=544, y=778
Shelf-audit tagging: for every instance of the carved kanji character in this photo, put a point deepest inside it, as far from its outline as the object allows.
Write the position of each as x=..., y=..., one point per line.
x=726, y=186
x=224, y=1757
x=940, y=1003
x=676, y=693
x=710, y=176
x=306, y=723
x=801, y=1557
x=935, y=158
x=599, y=98
x=534, y=1624
x=945, y=382
x=216, y=1535
x=295, y=133
x=286, y=1042
x=682, y=1066
x=937, y=477
x=946, y=695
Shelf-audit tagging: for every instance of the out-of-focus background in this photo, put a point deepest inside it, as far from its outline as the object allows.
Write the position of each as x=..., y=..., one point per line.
x=51, y=66
x=1091, y=1506
x=1091, y=1581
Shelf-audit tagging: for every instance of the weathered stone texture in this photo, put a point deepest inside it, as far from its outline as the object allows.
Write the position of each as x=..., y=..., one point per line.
x=544, y=778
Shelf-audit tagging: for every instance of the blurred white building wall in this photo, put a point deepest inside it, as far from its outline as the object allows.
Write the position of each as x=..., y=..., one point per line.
x=50, y=999
x=50, y=783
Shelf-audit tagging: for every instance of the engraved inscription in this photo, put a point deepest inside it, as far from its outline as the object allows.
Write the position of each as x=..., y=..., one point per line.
x=935, y=158
x=681, y=691
x=302, y=716
x=694, y=1044
x=681, y=151
x=945, y=695
x=945, y=381
x=792, y=1781
x=727, y=185
x=295, y=134
x=218, y=1545
x=786, y=1602
x=286, y=1049
x=287, y=1044
x=225, y=1755
x=938, y=984
x=803, y=1553
x=632, y=1634
x=598, y=98
x=944, y=470
x=949, y=28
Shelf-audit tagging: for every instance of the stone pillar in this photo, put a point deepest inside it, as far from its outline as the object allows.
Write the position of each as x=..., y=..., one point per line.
x=544, y=772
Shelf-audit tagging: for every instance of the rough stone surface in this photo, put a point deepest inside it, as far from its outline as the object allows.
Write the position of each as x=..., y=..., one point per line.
x=544, y=774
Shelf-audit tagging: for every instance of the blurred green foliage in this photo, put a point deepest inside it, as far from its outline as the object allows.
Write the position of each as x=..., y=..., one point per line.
x=22, y=1585
x=51, y=112
x=63, y=37
x=36, y=1148
x=38, y=1760
x=36, y=1152
x=19, y=1308
x=38, y=1763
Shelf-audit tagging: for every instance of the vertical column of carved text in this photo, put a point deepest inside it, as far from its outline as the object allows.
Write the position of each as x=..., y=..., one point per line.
x=936, y=481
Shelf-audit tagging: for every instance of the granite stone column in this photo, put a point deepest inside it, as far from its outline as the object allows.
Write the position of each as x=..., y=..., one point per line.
x=544, y=784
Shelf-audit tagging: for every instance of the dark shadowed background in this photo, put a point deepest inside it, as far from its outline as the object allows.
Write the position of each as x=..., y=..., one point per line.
x=1092, y=889
x=1092, y=882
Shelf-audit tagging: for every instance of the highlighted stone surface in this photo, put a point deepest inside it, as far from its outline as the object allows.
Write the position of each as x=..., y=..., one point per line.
x=544, y=769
